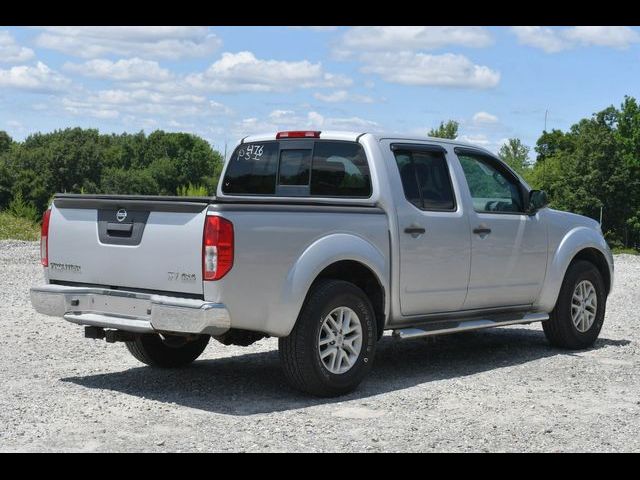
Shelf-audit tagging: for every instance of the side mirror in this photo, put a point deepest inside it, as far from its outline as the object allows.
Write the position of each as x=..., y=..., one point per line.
x=537, y=199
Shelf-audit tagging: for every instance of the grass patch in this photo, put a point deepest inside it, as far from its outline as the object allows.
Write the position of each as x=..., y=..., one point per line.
x=16, y=228
x=628, y=251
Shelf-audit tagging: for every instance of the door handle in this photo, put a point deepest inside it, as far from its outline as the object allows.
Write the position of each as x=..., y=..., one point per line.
x=482, y=230
x=120, y=227
x=414, y=230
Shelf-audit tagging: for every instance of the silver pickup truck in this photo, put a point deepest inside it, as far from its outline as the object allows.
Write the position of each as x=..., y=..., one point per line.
x=325, y=240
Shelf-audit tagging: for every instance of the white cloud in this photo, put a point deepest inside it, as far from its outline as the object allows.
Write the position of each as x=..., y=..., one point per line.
x=122, y=70
x=412, y=38
x=351, y=123
x=342, y=96
x=544, y=38
x=242, y=71
x=478, y=139
x=617, y=37
x=115, y=102
x=289, y=120
x=154, y=42
x=38, y=78
x=484, y=118
x=11, y=52
x=553, y=40
x=317, y=29
x=449, y=70
x=278, y=115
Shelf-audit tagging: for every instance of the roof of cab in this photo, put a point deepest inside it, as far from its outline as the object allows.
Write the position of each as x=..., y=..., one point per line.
x=353, y=136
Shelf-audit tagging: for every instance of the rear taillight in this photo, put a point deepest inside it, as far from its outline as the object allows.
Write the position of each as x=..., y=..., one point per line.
x=217, y=248
x=298, y=134
x=44, y=239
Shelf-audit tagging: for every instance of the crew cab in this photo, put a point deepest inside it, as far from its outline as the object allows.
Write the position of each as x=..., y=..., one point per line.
x=325, y=240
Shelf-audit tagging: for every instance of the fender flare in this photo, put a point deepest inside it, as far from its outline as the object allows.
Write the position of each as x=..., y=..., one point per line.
x=576, y=240
x=320, y=254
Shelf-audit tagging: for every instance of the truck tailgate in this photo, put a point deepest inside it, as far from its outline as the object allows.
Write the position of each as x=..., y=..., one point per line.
x=149, y=243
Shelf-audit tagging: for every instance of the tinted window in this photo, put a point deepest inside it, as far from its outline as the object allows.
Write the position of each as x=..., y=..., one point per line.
x=326, y=168
x=252, y=169
x=294, y=167
x=340, y=169
x=425, y=179
x=491, y=189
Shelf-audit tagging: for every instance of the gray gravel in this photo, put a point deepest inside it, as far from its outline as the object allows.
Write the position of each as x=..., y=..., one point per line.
x=497, y=390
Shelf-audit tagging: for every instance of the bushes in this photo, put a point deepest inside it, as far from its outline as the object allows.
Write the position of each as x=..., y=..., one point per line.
x=192, y=191
x=16, y=228
x=19, y=208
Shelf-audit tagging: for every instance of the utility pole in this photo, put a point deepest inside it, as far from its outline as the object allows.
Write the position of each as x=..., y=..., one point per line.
x=544, y=166
x=600, y=215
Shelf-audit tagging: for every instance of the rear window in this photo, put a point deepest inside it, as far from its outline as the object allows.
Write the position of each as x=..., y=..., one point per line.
x=252, y=169
x=299, y=168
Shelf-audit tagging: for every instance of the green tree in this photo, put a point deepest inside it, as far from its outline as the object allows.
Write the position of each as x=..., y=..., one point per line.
x=515, y=154
x=5, y=141
x=448, y=129
x=551, y=143
x=76, y=160
x=593, y=166
x=6, y=184
x=128, y=182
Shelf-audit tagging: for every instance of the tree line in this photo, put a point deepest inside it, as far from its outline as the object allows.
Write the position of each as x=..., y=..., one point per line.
x=592, y=168
x=77, y=160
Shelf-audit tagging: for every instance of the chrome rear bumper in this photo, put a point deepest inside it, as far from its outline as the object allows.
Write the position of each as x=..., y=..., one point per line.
x=130, y=311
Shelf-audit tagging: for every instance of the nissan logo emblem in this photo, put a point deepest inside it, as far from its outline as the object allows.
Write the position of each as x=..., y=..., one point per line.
x=121, y=215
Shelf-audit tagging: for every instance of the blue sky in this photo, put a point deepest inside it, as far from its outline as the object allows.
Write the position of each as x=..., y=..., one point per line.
x=223, y=83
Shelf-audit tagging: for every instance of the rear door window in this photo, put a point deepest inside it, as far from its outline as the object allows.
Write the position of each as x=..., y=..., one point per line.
x=425, y=178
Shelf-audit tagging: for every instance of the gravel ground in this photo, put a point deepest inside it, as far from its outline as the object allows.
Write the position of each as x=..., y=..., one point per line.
x=497, y=390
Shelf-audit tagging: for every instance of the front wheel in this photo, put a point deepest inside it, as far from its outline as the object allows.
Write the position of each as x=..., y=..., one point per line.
x=332, y=346
x=577, y=318
x=167, y=351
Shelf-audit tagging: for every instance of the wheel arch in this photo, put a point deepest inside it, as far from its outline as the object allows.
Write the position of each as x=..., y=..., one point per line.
x=597, y=258
x=580, y=243
x=364, y=278
x=343, y=257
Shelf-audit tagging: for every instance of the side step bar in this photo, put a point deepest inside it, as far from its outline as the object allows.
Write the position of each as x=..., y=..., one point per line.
x=454, y=326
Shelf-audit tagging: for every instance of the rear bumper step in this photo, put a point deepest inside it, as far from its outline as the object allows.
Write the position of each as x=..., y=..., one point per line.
x=454, y=326
x=130, y=311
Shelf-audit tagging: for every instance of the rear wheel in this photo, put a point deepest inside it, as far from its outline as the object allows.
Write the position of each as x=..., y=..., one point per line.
x=332, y=346
x=167, y=351
x=577, y=318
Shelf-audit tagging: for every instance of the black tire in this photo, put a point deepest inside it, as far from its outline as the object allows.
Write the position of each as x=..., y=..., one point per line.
x=560, y=329
x=299, y=353
x=174, y=351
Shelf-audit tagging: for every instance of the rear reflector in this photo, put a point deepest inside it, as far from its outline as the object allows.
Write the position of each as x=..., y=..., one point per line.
x=217, y=248
x=299, y=134
x=44, y=239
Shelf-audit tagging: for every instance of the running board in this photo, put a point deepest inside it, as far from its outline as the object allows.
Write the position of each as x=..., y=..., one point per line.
x=454, y=326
